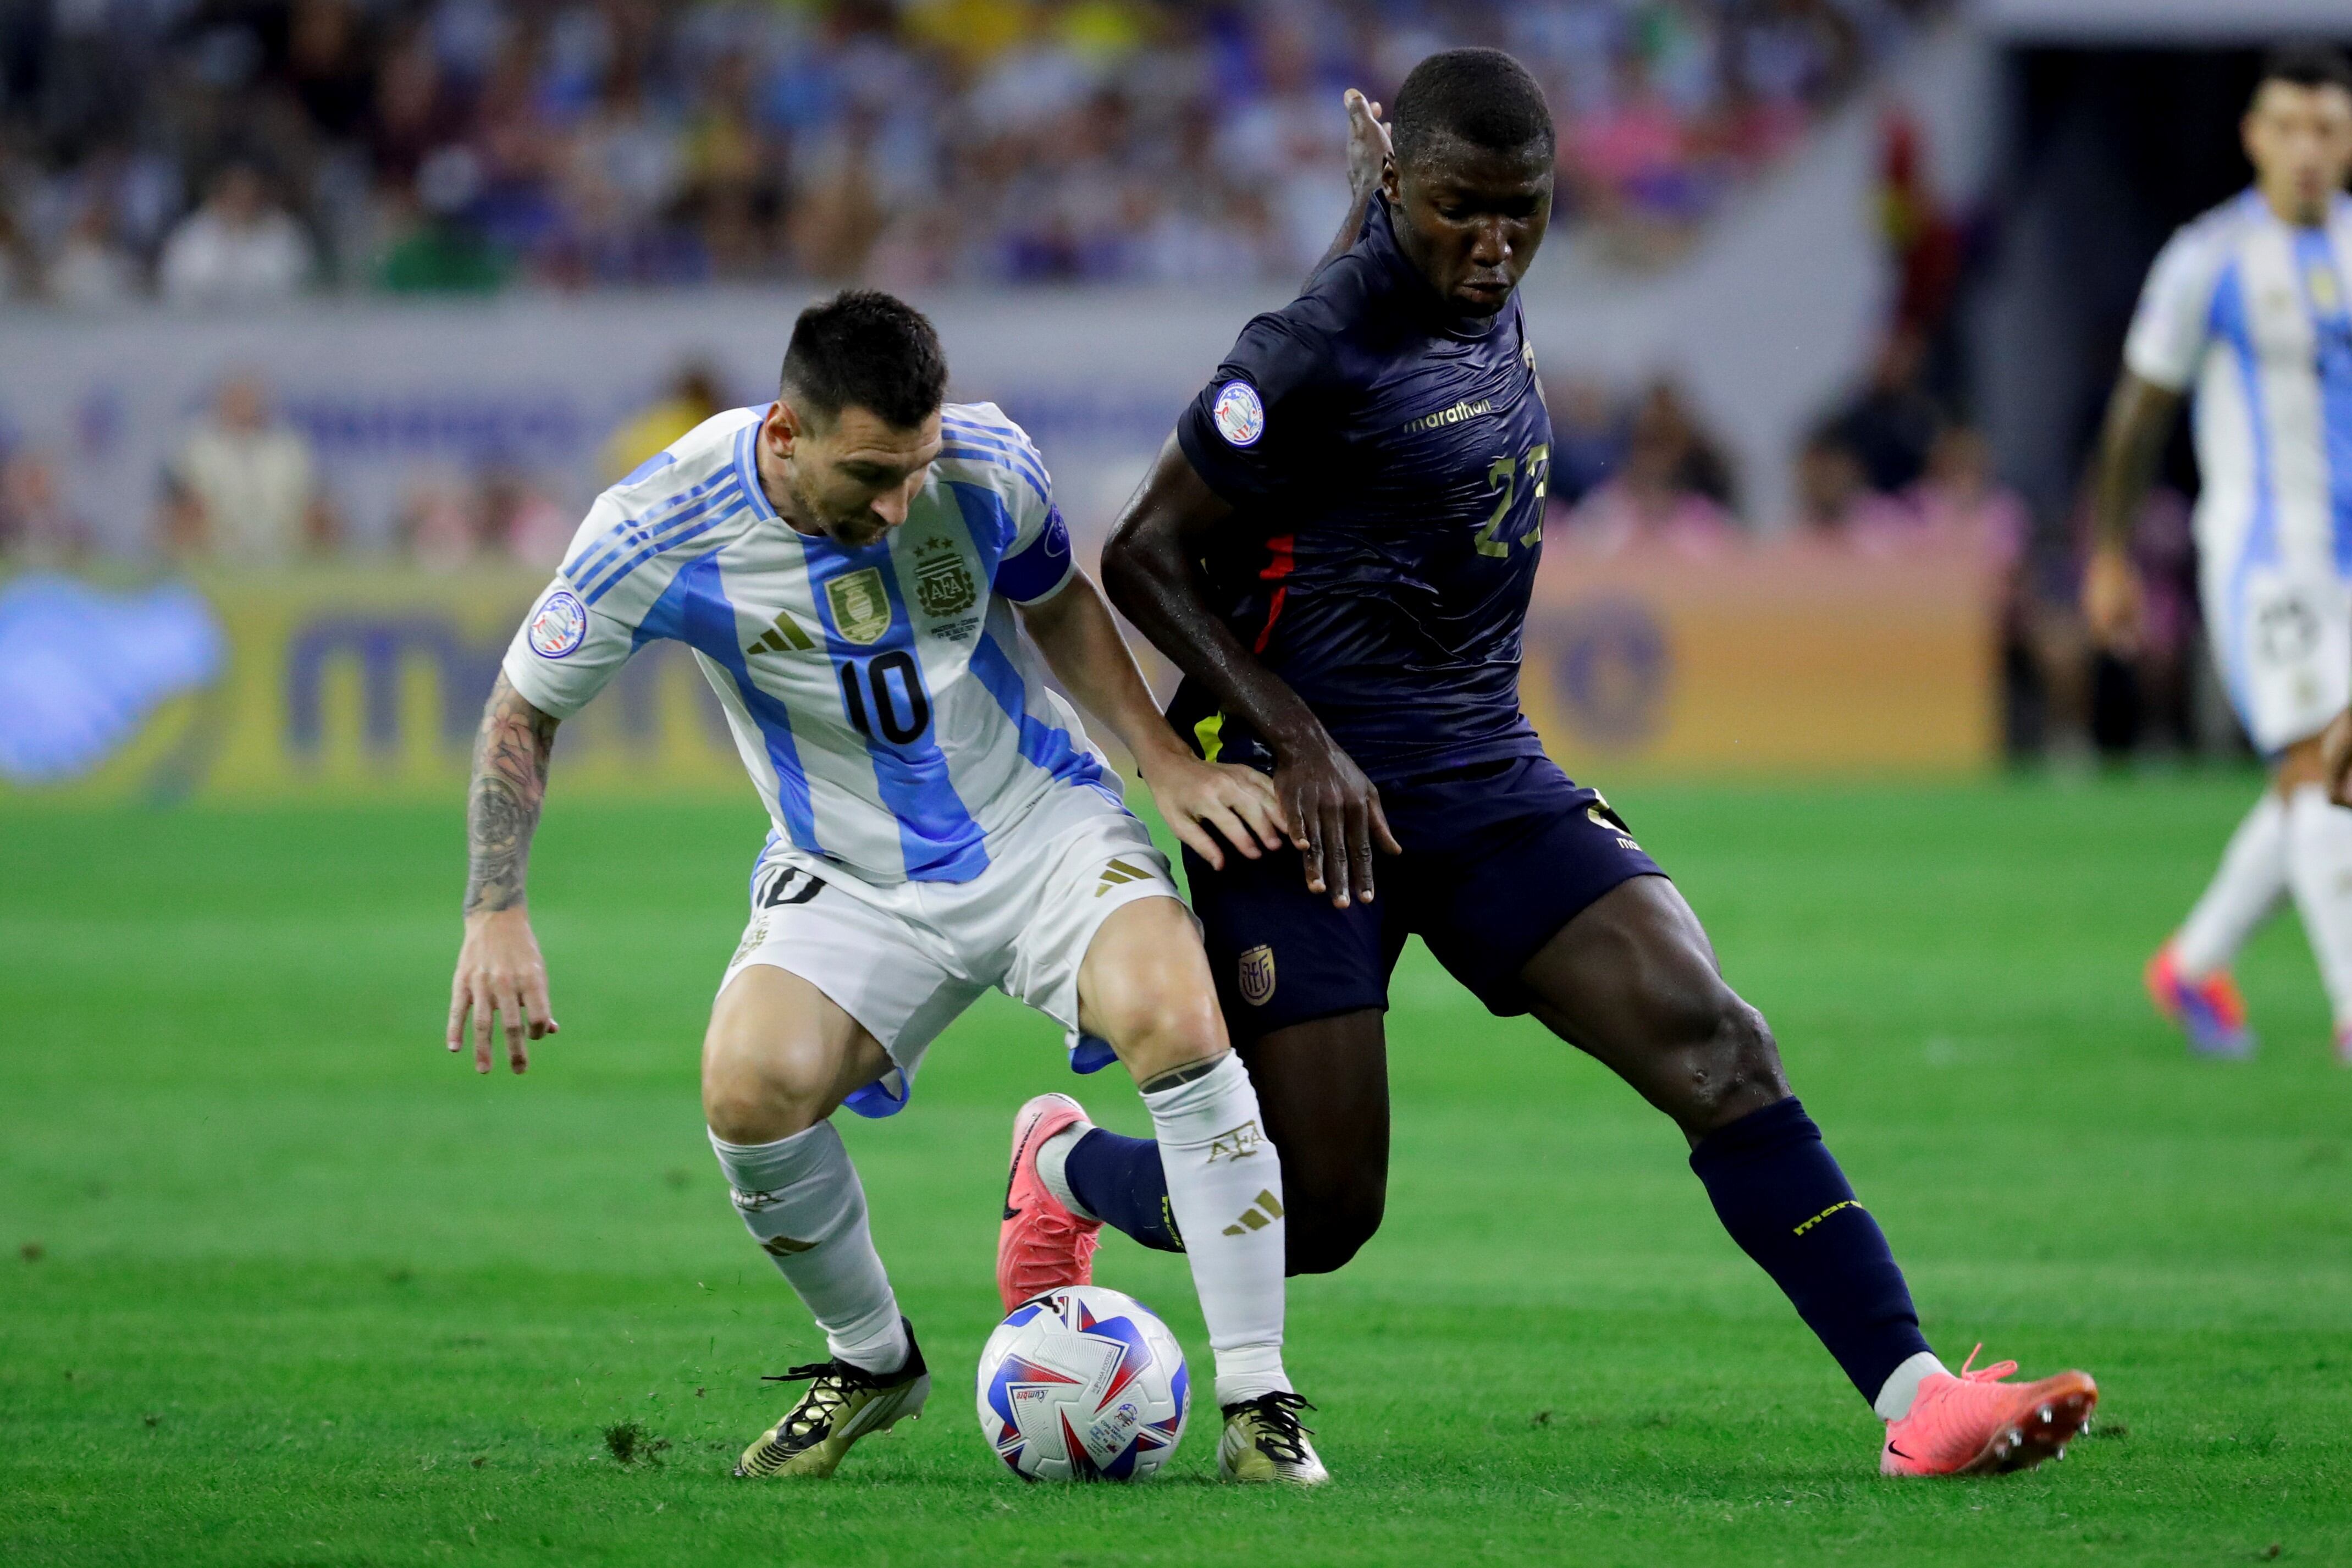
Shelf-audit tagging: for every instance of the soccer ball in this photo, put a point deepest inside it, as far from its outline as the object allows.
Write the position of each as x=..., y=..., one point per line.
x=1083, y=1384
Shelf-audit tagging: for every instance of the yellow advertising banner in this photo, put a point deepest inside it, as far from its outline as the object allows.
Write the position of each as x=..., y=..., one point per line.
x=352, y=681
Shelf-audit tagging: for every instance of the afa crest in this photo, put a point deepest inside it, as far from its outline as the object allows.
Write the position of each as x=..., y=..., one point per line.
x=1257, y=975
x=860, y=604
x=943, y=585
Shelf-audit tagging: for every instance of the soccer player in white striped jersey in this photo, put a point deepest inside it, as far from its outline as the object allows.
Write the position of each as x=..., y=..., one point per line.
x=2249, y=310
x=855, y=566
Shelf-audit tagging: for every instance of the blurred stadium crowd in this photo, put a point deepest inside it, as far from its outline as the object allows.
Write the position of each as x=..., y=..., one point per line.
x=239, y=151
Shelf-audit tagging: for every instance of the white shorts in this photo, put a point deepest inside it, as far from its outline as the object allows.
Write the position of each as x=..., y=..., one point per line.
x=906, y=961
x=2283, y=641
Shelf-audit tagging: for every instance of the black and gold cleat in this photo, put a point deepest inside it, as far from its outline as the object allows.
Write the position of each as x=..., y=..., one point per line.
x=1265, y=1442
x=843, y=1402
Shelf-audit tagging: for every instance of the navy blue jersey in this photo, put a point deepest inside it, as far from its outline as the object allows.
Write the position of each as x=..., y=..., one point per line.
x=1386, y=457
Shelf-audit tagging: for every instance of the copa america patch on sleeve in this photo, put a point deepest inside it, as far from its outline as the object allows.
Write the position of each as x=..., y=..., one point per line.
x=560, y=625
x=1240, y=415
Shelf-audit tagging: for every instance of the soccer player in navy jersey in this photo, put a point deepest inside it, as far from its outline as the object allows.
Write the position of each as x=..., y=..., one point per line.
x=1336, y=548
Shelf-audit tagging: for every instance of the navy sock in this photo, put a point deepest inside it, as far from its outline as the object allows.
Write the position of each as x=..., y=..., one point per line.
x=1120, y=1181
x=1787, y=1203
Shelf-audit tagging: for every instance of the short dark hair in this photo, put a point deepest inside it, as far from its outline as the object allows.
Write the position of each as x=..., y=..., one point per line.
x=1482, y=98
x=2308, y=64
x=865, y=348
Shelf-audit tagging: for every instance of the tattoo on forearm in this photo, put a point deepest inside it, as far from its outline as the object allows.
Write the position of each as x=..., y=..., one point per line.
x=502, y=807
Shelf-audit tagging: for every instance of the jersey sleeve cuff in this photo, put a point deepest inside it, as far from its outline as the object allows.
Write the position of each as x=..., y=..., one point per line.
x=2141, y=363
x=523, y=673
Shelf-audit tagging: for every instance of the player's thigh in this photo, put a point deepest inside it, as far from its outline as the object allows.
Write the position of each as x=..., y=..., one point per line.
x=1633, y=980
x=781, y=1055
x=1144, y=986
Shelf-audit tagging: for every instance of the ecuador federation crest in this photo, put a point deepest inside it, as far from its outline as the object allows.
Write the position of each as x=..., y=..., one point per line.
x=1257, y=975
x=860, y=604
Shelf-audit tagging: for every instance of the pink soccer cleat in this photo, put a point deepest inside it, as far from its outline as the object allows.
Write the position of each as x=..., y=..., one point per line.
x=1977, y=1425
x=2343, y=1045
x=2210, y=1011
x=1043, y=1246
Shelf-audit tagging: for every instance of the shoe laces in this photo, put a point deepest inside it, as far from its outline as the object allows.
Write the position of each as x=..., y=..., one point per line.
x=1276, y=1415
x=1992, y=1373
x=830, y=1383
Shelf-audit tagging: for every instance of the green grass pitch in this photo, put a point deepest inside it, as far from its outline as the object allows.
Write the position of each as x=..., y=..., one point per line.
x=284, y=1284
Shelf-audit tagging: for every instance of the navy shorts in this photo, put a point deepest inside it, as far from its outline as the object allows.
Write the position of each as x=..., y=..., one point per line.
x=1497, y=858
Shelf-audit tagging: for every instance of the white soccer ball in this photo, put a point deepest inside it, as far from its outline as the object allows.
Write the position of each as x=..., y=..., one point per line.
x=1083, y=1384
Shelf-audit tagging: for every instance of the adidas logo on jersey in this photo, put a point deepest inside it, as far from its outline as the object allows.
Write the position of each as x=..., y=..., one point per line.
x=1259, y=1215
x=1117, y=874
x=785, y=634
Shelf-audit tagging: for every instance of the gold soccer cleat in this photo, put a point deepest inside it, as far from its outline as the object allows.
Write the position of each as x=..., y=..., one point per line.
x=843, y=1402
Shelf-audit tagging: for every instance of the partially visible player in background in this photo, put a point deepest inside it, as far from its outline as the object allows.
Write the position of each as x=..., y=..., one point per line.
x=2250, y=308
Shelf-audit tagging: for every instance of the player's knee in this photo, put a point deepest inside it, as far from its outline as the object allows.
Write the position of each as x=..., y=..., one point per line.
x=1326, y=1227
x=1738, y=1070
x=748, y=1100
x=1160, y=1022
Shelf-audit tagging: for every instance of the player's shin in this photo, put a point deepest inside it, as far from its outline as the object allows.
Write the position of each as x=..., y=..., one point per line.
x=1224, y=1183
x=2319, y=867
x=2246, y=886
x=1788, y=1207
x=801, y=1201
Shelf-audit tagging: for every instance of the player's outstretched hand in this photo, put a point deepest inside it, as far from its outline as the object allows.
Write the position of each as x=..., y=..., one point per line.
x=1368, y=142
x=1336, y=820
x=1211, y=805
x=2111, y=599
x=2335, y=757
x=500, y=971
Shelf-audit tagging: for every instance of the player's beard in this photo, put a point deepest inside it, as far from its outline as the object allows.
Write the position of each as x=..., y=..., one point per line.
x=853, y=530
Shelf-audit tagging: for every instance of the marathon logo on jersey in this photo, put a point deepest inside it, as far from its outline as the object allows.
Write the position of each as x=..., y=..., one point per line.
x=559, y=625
x=1465, y=409
x=1239, y=414
x=1257, y=975
x=861, y=607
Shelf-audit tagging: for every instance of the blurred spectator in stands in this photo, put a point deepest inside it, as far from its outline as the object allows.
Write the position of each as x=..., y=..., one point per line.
x=434, y=247
x=1835, y=503
x=36, y=527
x=243, y=488
x=238, y=248
x=19, y=272
x=92, y=270
x=1960, y=503
x=1890, y=424
x=328, y=65
x=520, y=523
x=1673, y=490
x=439, y=525
x=1588, y=434
x=693, y=396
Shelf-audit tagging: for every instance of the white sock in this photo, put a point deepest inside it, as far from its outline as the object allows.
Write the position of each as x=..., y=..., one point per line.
x=2246, y=886
x=2319, y=867
x=1054, y=1167
x=1902, y=1385
x=801, y=1199
x=1224, y=1183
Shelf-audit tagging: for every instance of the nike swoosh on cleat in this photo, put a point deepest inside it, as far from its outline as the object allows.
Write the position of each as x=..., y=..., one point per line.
x=1900, y=1453
x=1012, y=1213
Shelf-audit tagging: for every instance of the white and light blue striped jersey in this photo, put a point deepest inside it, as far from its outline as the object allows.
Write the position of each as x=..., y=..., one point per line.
x=891, y=715
x=2250, y=311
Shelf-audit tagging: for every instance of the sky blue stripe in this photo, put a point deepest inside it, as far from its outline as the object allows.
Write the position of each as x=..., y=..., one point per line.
x=747, y=468
x=695, y=610
x=2314, y=254
x=1045, y=746
x=940, y=841
x=2232, y=326
x=616, y=539
x=987, y=519
x=641, y=530
x=658, y=539
x=656, y=547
